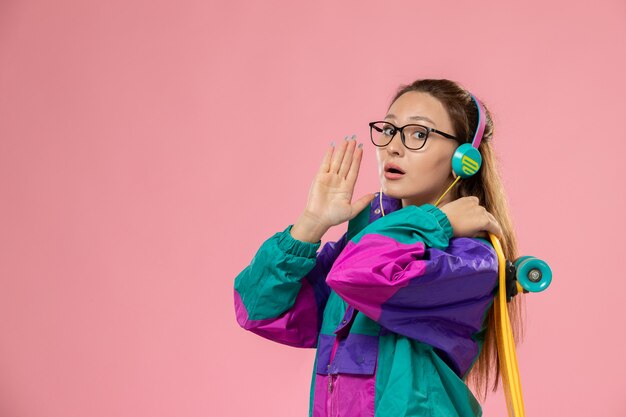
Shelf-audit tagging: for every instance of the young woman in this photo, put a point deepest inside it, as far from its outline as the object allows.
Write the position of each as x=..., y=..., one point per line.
x=401, y=312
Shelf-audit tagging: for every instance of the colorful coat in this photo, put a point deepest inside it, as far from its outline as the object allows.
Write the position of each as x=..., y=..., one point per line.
x=396, y=311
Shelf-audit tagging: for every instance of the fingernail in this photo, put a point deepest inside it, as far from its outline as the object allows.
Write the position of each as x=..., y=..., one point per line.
x=360, y=145
x=346, y=138
x=332, y=143
x=354, y=136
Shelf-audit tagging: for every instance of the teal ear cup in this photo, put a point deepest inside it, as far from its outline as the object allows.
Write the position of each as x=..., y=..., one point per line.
x=466, y=160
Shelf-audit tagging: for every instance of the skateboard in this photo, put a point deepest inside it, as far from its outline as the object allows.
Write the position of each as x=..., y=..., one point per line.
x=525, y=274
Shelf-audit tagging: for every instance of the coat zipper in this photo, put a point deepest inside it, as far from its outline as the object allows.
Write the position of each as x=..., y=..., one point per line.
x=332, y=399
x=331, y=378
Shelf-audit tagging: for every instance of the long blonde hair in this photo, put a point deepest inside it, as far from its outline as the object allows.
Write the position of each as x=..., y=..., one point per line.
x=487, y=186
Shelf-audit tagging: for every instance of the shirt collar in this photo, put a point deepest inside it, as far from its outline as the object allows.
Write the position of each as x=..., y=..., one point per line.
x=390, y=205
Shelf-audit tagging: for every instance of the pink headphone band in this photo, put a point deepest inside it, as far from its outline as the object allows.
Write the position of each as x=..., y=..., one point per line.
x=481, y=122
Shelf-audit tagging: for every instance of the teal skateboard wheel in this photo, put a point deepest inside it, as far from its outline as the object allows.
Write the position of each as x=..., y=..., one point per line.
x=518, y=260
x=533, y=274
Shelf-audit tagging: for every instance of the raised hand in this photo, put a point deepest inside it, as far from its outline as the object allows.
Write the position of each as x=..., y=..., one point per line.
x=330, y=195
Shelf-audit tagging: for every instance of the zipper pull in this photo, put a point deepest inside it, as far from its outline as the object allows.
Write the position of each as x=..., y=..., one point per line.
x=330, y=379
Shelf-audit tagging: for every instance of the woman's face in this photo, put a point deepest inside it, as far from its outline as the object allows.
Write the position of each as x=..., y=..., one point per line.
x=427, y=171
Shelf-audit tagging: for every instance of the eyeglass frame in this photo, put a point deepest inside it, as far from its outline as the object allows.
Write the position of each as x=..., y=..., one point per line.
x=401, y=130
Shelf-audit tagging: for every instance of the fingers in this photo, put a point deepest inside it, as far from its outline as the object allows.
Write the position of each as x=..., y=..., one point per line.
x=356, y=165
x=338, y=154
x=348, y=157
x=480, y=221
x=493, y=226
x=482, y=234
x=339, y=159
x=490, y=223
x=327, y=157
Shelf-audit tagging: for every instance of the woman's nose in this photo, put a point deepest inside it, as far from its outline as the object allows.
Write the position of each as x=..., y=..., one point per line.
x=395, y=146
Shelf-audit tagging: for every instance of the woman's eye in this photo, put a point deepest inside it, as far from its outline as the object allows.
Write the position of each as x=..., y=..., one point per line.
x=419, y=135
x=388, y=131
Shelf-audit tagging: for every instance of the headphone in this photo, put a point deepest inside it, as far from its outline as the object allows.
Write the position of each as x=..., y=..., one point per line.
x=466, y=160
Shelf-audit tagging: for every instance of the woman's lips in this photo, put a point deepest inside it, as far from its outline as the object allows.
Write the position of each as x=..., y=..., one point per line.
x=393, y=175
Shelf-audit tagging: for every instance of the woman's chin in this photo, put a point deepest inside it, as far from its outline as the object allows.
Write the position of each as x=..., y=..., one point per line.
x=393, y=188
x=393, y=191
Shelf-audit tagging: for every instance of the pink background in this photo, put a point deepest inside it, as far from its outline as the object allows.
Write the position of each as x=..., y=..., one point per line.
x=148, y=148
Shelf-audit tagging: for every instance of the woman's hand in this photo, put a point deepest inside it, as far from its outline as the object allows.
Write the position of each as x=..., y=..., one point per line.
x=330, y=195
x=469, y=219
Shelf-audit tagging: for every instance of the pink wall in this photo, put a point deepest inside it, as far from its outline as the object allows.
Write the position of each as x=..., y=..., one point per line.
x=148, y=148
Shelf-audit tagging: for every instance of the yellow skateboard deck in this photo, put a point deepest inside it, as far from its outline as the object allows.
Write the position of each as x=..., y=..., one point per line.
x=506, y=344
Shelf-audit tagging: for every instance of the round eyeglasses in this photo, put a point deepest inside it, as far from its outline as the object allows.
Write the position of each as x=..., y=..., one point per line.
x=413, y=136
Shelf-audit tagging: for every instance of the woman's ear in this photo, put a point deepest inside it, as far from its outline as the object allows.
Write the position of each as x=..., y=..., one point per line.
x=454, y=174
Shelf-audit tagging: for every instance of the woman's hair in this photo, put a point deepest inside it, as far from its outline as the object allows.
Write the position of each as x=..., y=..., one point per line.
x=487, y=186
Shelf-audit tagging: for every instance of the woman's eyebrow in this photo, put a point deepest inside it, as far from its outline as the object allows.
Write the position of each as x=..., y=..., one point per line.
x=391, y=116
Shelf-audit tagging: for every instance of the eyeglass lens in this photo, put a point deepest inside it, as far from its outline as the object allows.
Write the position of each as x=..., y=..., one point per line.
x=414, y=135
